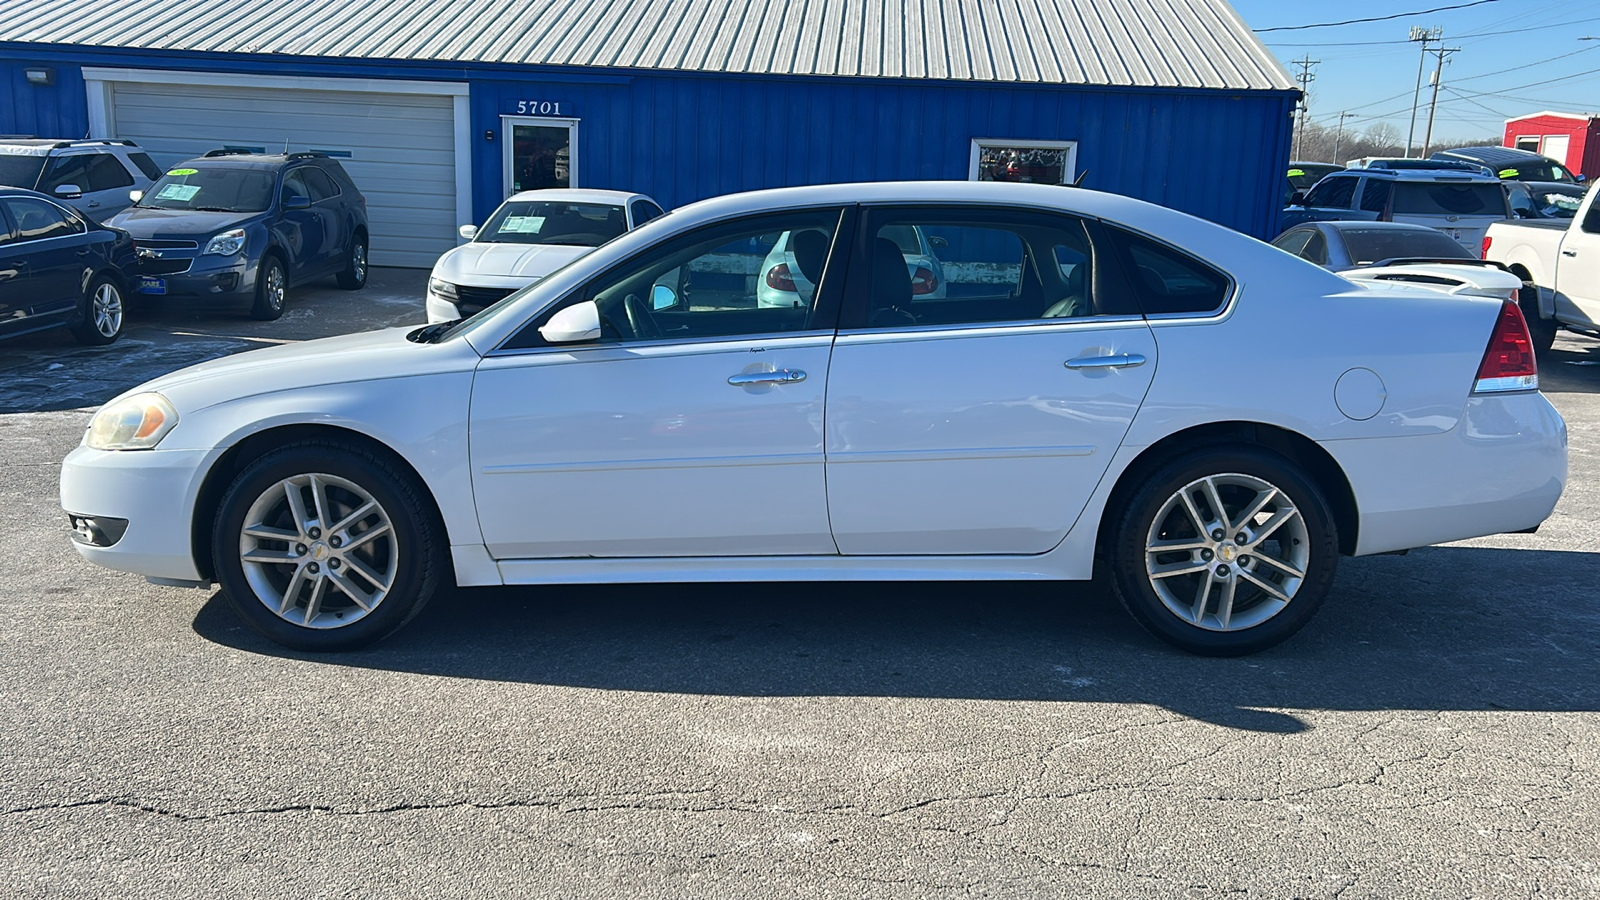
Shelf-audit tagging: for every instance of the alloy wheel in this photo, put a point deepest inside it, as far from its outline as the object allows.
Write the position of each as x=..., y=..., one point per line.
x=319, y=551
x=105, y=308
x=1227, y=552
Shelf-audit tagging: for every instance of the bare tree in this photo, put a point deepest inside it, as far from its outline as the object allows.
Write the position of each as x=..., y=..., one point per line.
x=1378, y=139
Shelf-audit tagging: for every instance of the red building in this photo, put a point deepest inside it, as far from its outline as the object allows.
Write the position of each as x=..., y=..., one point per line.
x=1571, y=139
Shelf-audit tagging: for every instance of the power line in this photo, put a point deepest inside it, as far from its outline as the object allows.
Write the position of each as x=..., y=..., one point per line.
x=1473, y=34
x=1420, y=12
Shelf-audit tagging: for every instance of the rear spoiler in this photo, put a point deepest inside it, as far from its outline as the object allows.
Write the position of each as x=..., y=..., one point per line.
x=1437, y=260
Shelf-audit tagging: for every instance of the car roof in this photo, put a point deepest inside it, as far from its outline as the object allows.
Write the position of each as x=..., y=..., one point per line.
x=1495, y=156
x=1424, y=175
x=1373, y=226
x=578, y=195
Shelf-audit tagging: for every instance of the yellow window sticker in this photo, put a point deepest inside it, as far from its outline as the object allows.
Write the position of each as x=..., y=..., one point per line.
x=1293, y=173
x=175, y=173
x=1509, y=173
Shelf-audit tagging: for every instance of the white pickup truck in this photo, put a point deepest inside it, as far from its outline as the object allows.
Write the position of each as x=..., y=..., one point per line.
x=1559, y=263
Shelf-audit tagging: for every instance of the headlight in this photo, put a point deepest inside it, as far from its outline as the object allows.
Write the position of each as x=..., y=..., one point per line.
x=444, y=290
x=138, y=422
x=226, y=243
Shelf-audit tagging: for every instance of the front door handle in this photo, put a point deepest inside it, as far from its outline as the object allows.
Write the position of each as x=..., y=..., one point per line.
x=1569, y=253
x=781, y=376
x=1120, y=361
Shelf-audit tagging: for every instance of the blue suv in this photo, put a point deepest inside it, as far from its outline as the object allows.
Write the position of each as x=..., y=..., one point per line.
x=246, y=227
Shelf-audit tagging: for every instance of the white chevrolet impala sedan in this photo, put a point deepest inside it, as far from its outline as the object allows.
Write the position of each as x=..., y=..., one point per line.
x=1102, y=381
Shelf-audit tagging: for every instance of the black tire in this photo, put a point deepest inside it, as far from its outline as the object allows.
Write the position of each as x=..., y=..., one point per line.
x=354, y=275
x=101, y=317
x=1542, y=331
x=413, y=552
x=1266, y=621
x=272, y=289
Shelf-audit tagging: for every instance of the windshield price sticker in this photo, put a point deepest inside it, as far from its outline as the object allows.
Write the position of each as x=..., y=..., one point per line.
x=539, y=107
x=179, y=192
x=522, y=225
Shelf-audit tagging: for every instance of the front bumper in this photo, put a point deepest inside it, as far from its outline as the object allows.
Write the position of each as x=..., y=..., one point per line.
x=154, y=491
x=206, y=277
x=1500, y=469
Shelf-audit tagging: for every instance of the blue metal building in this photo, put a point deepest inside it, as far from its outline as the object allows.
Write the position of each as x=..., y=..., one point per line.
x=441, y=108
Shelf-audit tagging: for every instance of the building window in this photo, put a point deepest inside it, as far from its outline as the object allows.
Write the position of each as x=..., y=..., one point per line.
x=541, y=153
x=1528, y=142
x=1036, y=162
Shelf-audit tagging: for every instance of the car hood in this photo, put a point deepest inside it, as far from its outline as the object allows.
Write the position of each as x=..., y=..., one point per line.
x=142, y=222
x=366, y=356
x=491, y=264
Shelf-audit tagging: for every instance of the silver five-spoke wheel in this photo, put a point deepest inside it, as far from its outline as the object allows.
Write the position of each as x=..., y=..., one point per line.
x=1227, y=552
x=319, y=551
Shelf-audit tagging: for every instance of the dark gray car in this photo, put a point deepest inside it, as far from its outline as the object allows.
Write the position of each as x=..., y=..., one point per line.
x=1341, y=246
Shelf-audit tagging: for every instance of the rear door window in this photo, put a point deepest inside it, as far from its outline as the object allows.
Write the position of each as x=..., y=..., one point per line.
x=1375, y=195
x=322, y=187
x=1332, y=193
x=106, y=173
x=1448, y=199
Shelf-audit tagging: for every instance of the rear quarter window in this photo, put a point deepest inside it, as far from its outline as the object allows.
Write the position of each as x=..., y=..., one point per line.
x=146, y=165
x=1167, y=281
x=1446, y=199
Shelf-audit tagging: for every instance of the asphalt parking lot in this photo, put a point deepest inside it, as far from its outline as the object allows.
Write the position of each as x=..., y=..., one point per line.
x=1435, y=732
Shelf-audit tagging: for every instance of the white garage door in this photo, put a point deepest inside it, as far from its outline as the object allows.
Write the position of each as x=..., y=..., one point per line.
x=401, y=147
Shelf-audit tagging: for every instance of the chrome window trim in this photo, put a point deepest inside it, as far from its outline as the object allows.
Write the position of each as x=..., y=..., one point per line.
x=989, y=329
x=698, y=346
x=71, y=216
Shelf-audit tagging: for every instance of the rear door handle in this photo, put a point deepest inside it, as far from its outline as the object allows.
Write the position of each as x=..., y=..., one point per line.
x=781, y=376
x=1120, y=361
x=1569, y=253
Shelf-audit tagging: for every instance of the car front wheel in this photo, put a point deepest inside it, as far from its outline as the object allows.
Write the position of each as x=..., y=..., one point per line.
x=354, y=275
x=1225, y=552
x=101, y=322
x=272, y=284
x=322, y=546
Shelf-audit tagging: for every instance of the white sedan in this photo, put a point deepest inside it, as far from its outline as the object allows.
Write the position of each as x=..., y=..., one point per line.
x=1214, y=420
x=529, y=236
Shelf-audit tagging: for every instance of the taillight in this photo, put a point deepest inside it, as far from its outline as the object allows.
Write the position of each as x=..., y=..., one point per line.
x=1508, y=364
x=1484, y=254
x=923, y=281
x=779, y=279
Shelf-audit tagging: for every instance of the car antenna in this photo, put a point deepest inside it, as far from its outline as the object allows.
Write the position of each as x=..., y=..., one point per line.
x=285, y=146
x=1078, y=182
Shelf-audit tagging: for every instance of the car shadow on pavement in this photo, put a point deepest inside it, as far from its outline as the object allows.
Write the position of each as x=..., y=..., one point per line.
x=1455, y=628
x=1572, y=366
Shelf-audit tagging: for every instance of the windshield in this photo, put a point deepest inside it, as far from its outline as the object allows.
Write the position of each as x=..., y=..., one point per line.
x=20, y=171
x=1368, y=245
x=219, y=188
x=1307, y=174
x=1443, y=198
x=1539, y=171
x=544, y=222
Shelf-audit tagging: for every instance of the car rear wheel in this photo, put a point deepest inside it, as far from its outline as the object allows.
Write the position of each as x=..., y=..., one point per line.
x=323, y=546
x=101, y=322
x=272, y=284
x=1225, y=552
x=354, y=275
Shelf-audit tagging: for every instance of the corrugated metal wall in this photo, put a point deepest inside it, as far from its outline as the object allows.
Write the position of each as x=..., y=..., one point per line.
x=683, y=137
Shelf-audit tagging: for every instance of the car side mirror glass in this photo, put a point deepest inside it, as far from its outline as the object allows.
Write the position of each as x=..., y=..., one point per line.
x=579, y=322
x=662, y=297
x=938, y=243
x=297, y=202
x=136, y=196
x=468, y=231
x=68, y=191
x=1298, y=198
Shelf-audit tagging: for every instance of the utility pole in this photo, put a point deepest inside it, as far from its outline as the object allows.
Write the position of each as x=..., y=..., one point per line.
x=1426, y=36
x=1438, y=76
x=1305, y=78
x=1337, y=135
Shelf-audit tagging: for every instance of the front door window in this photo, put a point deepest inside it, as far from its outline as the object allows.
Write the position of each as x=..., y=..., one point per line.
x=540, y=154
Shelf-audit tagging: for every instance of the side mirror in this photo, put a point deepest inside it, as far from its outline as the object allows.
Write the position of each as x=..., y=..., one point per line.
x=297, y=202
x=1298, y=198
x=468, y=231
x=579, y=322
x=662, y=297
x=136, y=196
x=68, y=191
x=938, y=243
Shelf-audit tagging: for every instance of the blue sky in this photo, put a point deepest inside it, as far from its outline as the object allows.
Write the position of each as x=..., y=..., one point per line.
x=1512, y=61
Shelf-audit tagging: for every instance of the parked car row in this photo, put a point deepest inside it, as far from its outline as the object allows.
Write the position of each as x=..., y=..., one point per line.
x=232, y=228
